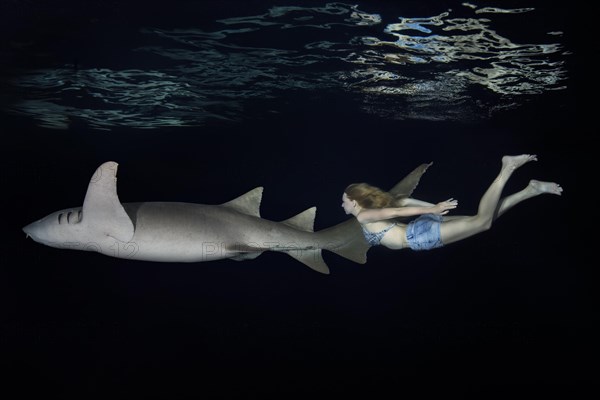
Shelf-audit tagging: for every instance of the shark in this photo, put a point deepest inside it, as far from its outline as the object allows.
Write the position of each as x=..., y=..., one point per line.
x=192, y=232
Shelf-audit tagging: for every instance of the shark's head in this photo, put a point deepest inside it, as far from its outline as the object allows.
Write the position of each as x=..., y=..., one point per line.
x=58, y=229
x=101, y=218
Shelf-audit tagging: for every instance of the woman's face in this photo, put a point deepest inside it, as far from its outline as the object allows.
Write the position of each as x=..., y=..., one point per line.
x=347, y=204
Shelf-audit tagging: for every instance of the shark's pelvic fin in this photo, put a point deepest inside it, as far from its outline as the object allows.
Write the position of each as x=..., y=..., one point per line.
x=102, y=211
x=248, y=203
x=304, y=221
x=246, y=256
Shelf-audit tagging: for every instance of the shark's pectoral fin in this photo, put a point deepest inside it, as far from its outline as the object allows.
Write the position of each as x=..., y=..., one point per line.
x=248, y=203
x=304, y=221
x=311, y=258
x=102, y=211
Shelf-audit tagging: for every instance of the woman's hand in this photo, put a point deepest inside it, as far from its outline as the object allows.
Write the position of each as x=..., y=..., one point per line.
x=443, y=207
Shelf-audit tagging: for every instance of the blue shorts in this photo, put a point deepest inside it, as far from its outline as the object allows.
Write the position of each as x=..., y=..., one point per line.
x=423, y=233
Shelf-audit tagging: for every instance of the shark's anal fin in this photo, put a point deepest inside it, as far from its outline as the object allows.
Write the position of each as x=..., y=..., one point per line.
x=305, y=221
x=102, y=211
x=311, y=257
x=248, y=203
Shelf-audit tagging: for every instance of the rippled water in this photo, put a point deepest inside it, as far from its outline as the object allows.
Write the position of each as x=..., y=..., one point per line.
x=453, y=65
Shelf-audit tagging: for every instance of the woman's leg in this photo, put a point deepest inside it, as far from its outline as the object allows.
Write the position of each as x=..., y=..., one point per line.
x=461, y=228
x=535, y=188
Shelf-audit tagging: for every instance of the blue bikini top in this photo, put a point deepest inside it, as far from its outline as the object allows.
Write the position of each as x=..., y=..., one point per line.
x=374, y=238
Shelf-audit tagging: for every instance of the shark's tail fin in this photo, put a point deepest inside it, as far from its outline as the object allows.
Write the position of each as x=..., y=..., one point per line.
x=347, y=240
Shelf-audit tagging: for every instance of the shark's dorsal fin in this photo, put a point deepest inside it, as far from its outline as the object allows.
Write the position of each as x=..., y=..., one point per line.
x=248, y=203
x=102, y=211
x=304, y=221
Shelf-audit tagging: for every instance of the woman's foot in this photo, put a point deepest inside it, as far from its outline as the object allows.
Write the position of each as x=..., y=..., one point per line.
x=514, y=162
x=545, y=187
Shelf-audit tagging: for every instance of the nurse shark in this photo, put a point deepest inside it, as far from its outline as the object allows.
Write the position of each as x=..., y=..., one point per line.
x=191, y=232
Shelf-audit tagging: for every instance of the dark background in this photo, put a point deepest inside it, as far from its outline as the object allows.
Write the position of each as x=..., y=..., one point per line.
x=511, y=311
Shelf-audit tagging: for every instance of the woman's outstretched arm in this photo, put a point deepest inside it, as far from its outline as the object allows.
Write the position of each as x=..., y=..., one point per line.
x=381, y=214
x=411, y=202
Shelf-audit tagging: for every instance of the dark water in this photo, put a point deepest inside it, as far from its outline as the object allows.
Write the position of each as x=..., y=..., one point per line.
x=203, y=101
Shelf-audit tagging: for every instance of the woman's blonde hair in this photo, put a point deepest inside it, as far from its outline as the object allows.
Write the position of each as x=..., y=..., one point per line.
x=368, y=196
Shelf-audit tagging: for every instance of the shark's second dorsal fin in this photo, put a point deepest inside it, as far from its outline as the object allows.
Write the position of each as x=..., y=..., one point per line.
x=304, y=221
x=248, y=203
x=102, y=211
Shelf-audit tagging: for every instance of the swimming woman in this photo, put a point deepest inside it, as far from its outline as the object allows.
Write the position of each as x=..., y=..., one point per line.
x=376, y=209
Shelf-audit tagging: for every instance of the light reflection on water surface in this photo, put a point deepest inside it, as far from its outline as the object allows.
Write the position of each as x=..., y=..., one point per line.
x=449, y=66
